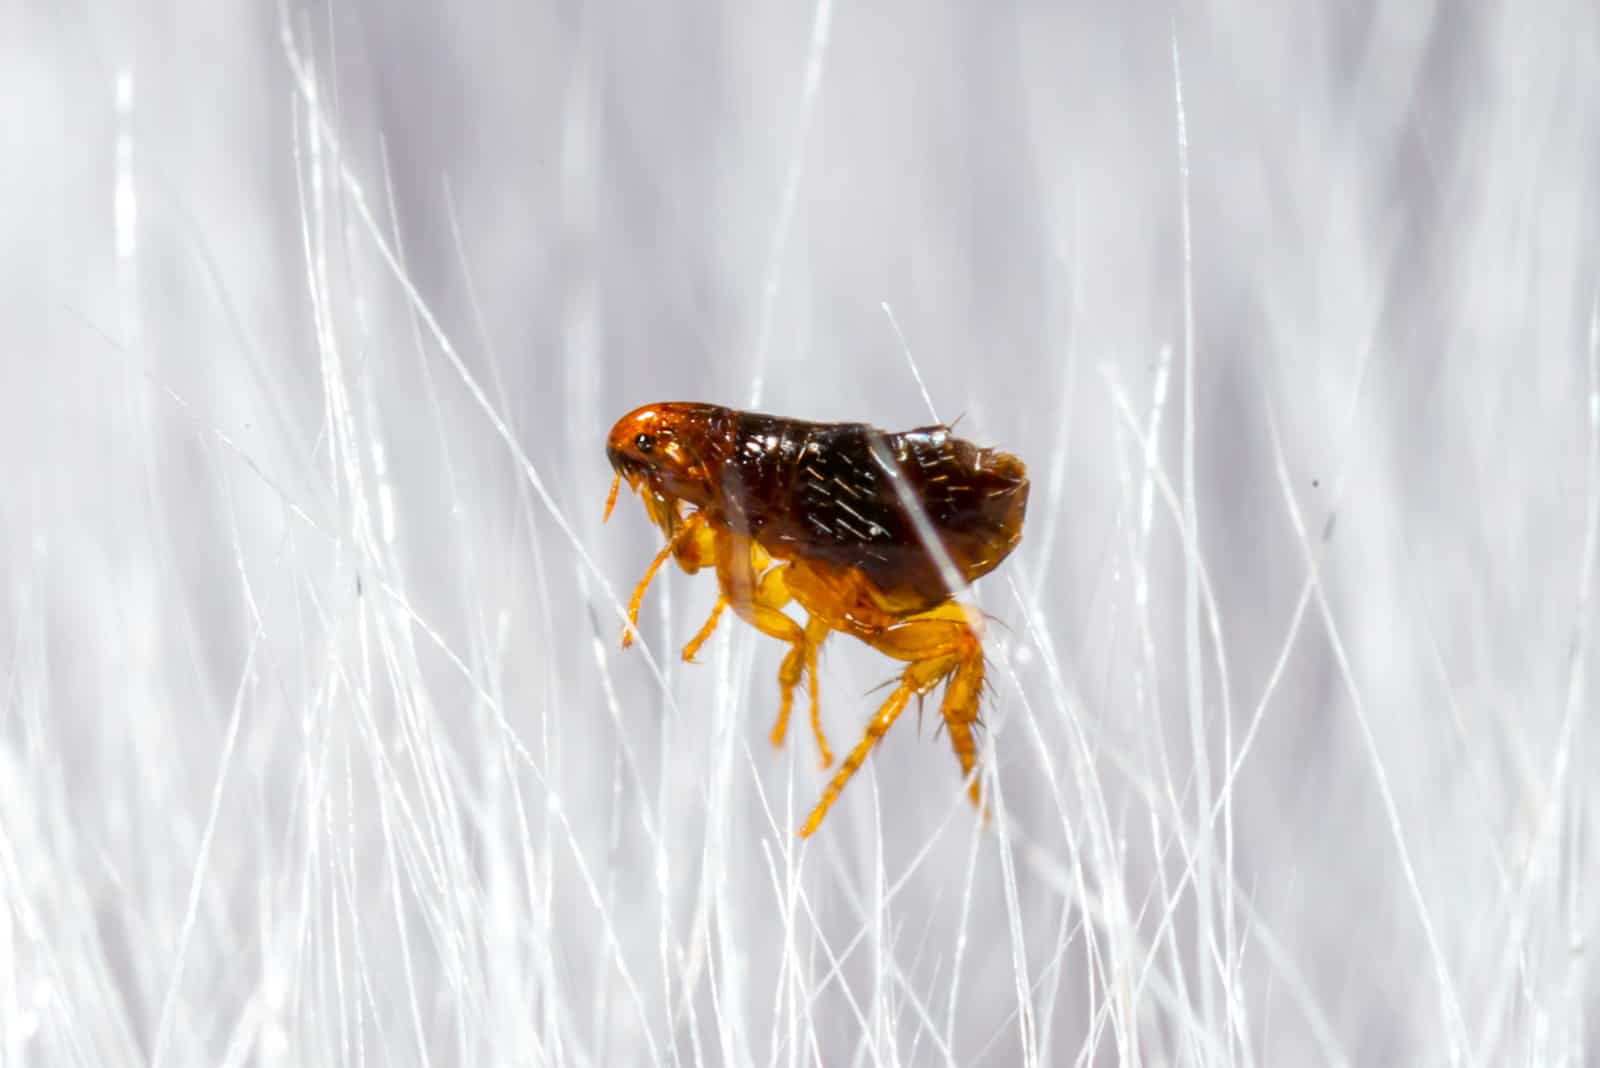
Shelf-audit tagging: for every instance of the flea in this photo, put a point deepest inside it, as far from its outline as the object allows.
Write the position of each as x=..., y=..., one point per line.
x=871, y=533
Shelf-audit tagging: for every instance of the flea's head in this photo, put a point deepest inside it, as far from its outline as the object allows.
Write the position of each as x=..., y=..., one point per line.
x=660, y=450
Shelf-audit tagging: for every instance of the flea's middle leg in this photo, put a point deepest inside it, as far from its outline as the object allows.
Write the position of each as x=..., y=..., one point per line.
x=760, y=603
x=803, y=659
x=706, y=629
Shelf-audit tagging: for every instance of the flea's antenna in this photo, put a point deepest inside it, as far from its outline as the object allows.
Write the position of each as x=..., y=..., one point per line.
x=611, y=499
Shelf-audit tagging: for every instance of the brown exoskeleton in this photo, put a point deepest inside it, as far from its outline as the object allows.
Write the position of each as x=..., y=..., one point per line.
x=817, y=513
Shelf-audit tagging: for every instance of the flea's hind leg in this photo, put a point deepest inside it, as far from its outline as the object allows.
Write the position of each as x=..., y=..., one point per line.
x=960, y=711
x=940, y=644
x=876, y=729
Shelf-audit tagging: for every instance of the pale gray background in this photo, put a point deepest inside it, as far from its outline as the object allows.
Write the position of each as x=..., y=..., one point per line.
x=253, y=732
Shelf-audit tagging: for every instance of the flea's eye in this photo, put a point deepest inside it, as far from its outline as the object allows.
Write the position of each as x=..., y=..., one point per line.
x=645, y=443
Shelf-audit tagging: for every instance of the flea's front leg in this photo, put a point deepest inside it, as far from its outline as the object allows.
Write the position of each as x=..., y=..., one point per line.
x=711, y=547
x=685, y=541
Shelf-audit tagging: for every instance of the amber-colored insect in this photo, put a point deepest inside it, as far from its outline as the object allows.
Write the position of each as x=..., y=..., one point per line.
x=818, y=513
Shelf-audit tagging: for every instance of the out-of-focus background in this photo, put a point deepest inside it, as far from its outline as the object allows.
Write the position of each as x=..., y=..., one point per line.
x=316, y=745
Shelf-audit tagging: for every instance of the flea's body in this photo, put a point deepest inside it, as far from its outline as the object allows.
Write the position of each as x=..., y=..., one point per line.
x=870, y=532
